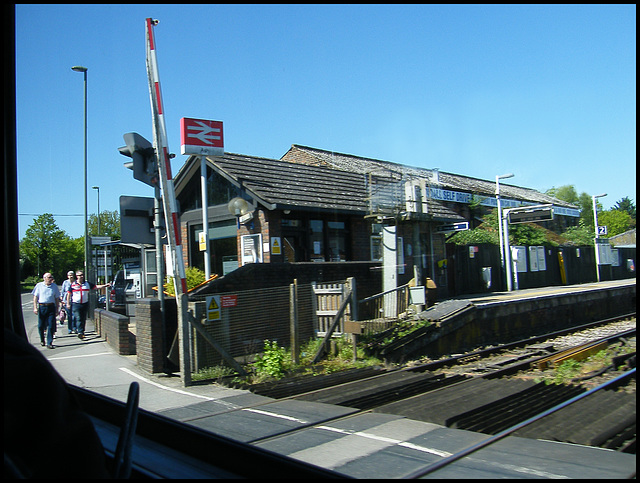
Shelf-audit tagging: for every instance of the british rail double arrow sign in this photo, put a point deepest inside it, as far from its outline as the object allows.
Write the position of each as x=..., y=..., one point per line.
x=201, y=137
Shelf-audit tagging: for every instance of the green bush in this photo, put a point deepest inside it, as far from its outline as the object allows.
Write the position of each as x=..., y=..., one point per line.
x=194, y=276
x=272, y=362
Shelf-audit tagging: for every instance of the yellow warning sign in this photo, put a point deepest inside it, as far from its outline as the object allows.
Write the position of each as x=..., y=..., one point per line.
x=275, y=245
x=213, y=307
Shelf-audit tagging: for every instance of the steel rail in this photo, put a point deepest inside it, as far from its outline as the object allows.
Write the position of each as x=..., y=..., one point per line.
x=519, y=343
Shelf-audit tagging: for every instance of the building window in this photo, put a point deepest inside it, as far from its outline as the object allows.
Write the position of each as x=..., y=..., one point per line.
x=375, y=243
x=219, y=192
x=337, y=241
x=251, y=248
x=316, y=238
x=222, y=245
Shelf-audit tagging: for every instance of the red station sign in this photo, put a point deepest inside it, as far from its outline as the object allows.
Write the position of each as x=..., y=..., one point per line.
x=201, y=137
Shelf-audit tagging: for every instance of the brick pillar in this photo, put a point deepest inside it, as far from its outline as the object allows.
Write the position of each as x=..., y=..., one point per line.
x=149, y=338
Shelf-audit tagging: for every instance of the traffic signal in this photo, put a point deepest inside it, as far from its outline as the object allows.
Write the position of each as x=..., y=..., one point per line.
x=145, y=162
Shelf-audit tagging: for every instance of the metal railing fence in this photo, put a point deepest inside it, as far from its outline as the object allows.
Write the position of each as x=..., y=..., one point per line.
x=379, y=312
x=246, y=319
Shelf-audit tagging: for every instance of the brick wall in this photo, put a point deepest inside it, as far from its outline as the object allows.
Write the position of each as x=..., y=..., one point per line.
x=265, y=223
x=297, y=156
x=114, y=328
x=152, y=345
x=184, y=233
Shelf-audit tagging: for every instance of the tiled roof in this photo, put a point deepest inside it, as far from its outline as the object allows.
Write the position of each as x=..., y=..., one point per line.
x=317, y=179
x=290, y=185
x=436, y=178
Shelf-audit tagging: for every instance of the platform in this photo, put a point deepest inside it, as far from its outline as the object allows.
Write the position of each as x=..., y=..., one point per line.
x=472, y=321
x=541, y=292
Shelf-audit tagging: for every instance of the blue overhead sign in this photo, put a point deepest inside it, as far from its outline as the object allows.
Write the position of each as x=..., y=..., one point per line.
x=463, y=225
x=462, y=197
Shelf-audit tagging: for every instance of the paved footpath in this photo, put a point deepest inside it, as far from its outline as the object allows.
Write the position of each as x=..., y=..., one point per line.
x=92, y=364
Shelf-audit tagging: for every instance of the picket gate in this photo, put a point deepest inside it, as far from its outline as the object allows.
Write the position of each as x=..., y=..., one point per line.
x=327, y=299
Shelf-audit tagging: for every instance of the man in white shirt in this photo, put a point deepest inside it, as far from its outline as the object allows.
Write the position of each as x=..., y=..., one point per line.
x=46, y=300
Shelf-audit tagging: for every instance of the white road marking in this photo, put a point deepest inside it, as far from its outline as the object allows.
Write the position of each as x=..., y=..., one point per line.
x=178, y=391
x=276, y=415
x=387, y=440
x=77, y=357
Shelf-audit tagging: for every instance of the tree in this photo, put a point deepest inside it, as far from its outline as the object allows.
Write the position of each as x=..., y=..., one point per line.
x=616, y=221
x=109, y=224
x=47, y=248
x=528, y=234
x=581, y=235
x=627, y=206
x=583, y=200
x=566, y=193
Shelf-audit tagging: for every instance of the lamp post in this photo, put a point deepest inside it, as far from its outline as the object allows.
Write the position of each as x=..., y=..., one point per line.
x=79, y=68
x=595, y=224
x=97, y=264
x=498, y=178
x=98, y=189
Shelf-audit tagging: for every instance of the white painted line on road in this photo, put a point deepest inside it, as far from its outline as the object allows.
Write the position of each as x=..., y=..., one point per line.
x=77, y=357
x=387, y=440
x=442, y=453
x=275, y=415
x=424, y=449
x=148, y=381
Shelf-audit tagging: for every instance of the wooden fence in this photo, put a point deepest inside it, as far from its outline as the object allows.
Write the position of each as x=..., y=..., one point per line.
x=327, y=300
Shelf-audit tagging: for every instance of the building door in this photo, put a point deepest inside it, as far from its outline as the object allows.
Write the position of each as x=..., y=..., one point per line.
x=293, y=248
x=294, y=241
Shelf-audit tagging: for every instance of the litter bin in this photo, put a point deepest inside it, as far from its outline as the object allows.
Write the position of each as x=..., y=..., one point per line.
x=432, y=292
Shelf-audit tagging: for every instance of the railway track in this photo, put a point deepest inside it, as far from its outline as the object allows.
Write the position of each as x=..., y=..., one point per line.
x=490, y=390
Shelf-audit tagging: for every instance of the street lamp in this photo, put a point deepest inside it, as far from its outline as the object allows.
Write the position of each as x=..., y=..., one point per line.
x=98, y=189
x=238, y=207
x=79, y=68
x=498, y=178
x=97, y=264
x=595, y=224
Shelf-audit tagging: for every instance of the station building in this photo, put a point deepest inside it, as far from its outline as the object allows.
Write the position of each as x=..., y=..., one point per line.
x=314, y=205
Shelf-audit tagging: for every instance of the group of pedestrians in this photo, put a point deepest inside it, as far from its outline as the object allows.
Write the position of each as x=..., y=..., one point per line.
x=74, y=299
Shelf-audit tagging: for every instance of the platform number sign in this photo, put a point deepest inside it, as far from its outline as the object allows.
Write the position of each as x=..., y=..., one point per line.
x=602, y=230
x=213, y=308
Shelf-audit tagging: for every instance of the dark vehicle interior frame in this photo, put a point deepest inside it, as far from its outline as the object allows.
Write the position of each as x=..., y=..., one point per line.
x=161, y=447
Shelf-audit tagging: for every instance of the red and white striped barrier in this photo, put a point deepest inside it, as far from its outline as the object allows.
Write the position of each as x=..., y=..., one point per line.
x=164, y=161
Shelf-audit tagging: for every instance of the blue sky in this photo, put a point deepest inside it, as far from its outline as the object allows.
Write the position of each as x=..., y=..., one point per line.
x=545, y=92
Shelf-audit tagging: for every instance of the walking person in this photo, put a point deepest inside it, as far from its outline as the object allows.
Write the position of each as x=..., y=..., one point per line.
x=66, y=287
x=78, y=296
x=46, y=301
